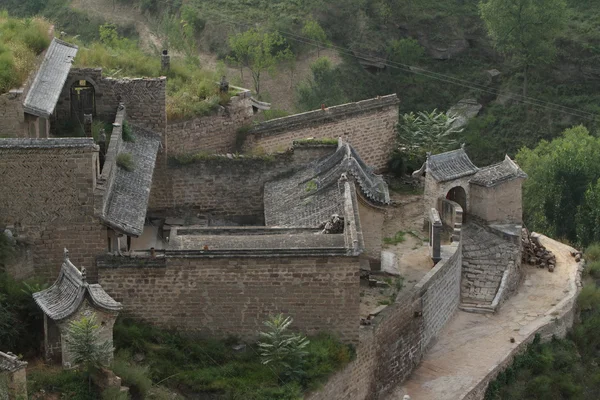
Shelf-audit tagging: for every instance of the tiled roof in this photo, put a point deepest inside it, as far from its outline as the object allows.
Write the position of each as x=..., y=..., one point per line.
x=10, y=362
x=130, y=192
x=50, y=79
x=450, y=165
x=64, y=297
x=497, y=173
x=310, y=196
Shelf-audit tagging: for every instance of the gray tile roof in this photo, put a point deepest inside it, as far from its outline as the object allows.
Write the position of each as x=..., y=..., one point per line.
x=50, y=79
x=10, y=362
x=64, y=297
x=130, y=192
x=51, y=143
x=310, y=196
x=450, y=165
x=497, y=173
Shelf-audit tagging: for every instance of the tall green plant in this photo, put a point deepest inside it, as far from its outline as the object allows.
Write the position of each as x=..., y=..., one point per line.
x=85, y=346
x=283, y=350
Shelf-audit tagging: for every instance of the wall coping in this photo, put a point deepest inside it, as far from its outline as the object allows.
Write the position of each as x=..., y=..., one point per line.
x=277, y=125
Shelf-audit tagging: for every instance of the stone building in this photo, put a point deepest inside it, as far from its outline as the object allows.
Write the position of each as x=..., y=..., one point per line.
x=13, y=377
x=69, y=299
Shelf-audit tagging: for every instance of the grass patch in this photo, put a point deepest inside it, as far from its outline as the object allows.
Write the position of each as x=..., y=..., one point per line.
x=324, y=141
x=200, y=366
x=127, y=133
x=187, y=159
x=399, y=237
x=21, y=40
x=311, y=186
x=125, y=161
x=71, y=384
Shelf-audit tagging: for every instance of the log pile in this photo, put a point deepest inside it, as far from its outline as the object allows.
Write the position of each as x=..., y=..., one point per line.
x=534, y=253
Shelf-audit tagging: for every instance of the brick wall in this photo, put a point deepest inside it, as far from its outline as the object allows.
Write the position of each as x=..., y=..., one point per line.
x=369, y=126
x=12, y=116
x=371, y=221
x=394, y=346
x=47, y=197
x=222, y=296
x=145, y=98
x=212, y=133
x=221, y=186
x=500, y=204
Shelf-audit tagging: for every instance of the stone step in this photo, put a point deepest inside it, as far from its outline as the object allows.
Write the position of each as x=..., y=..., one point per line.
x=478, y=308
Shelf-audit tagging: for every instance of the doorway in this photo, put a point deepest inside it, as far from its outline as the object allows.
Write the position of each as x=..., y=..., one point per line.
x=458, y=195
x=83, y=100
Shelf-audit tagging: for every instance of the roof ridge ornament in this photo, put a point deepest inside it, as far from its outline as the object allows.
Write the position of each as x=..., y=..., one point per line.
x=66, y=254
x=83, y=275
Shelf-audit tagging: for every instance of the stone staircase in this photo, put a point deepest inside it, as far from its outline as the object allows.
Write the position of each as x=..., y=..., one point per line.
x=486, y=257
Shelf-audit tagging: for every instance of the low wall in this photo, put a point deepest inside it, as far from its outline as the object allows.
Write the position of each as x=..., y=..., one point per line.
x=211, y=133
x=451, y=214
x=392, y=348
x=234, y=295
x=369, y=126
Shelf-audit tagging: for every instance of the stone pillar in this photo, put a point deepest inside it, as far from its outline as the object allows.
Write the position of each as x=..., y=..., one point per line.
x=435, y=232
x=165, y=61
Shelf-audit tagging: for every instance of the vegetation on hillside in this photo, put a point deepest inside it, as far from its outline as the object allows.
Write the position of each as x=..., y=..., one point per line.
x=21, y=40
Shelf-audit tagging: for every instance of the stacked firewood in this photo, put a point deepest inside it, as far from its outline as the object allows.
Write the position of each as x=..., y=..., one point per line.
x=534, y=253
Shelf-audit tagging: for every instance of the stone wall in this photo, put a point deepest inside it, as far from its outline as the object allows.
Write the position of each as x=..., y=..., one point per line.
x=371, y=220
x=369, y=126
x=234, y=295
x=451, y=214
x=222, y=186
x=47, y=201
x=391, y=348
x=13, y=377
x=12, y=116
x=500, y=204
x=145, y=98
x=211, y=133
x=436, y=190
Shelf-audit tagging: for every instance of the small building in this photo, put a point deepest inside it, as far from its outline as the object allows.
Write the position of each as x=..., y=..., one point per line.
x=69, y=299
x=13, y=377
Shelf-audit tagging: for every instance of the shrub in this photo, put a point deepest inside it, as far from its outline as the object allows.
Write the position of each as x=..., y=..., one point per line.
x=592, y=253
x=125, y=161
x=133, y=375
x=126, y=133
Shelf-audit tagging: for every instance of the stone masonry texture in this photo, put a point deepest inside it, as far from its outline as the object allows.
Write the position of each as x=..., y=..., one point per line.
x=233, y=296
x=12, y=117
x=369, y=126
x=391, y=349
x=47, y=197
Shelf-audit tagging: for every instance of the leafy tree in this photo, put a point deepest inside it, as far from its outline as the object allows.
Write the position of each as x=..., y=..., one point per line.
x=588, y=216
x=560, y=173
x=321, y=88
x=314, y=31
x=284, y=351
x=405, y=51
x=83, y=342
x=525, y=30
x=259, y=51
x=422, y=133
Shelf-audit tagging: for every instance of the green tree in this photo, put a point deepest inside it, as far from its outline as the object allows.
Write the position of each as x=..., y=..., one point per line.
x=85, y=346
x=588, y=216
x=405, y=51
x=315, y=32
x=259, y=51
x=525, y=30
x=422, y=133
x=321, y=88
x=283, y=350
x=560, y=173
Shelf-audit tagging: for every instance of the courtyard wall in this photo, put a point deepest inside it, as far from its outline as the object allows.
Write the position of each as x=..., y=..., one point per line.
x=234, y=295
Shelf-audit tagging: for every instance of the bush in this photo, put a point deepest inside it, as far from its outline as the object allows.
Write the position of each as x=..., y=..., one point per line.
x=592, y=253
x=126, y=133
x=135, y=376
x=125, y=161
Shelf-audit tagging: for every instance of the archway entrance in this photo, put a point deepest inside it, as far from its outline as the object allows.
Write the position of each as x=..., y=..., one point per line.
x=83, y=100
x=458, y=195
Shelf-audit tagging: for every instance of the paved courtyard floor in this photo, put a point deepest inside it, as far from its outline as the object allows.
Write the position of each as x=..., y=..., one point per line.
x=472, y=345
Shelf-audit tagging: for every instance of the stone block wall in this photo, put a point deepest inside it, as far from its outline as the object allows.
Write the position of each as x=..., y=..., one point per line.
x=435, y=190
x=369, y=126
x=47, y=200
x=487, y=254
x=391, y=349
x=145, y=98
x=371, y=220
x=233, y=296
x=211, y=133
x=12, y=116
x=500, y=204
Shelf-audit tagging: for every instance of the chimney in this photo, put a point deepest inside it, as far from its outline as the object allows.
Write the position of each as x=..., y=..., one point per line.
x=165, y=61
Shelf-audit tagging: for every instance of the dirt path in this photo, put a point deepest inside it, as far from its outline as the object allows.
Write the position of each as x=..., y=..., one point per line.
x=472, y=345
x=278, y=89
